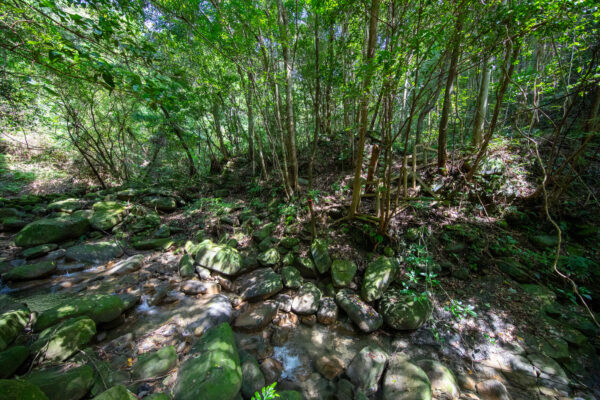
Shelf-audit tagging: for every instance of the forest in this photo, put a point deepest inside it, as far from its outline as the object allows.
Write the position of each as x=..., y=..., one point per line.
x=299, y=199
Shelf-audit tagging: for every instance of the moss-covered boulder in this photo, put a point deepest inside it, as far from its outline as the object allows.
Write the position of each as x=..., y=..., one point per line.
x=11, y=359
x=253, y=379
x=67, y=205
x=161, y=203
x=213, y=370
x=378, y=277
x=320, y=255
x=362, y=314
x=15, y=389
x=11, y=324
x=515, y=270
x=127, y=266
x=404, y=380
x=52, y=230
x=404, y=311
x=100, y=308
x=30, y=271
x=261, y=234
x=58, y=384
x=157, y=363
x=342, y=272
x=291, y=277
x=95, y=253
x=38, y=251
x=289, y=395
x=259, y=284
x=269, y=258
x=443, y=382
x=118, y=392
x=306, y=266
x=58, y=343
x=153, y=244
x=219, y=257
x=186, y=266
x=107, y=214
x=307, y=300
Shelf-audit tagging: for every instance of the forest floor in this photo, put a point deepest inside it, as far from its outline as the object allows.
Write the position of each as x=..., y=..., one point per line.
x=502, y=319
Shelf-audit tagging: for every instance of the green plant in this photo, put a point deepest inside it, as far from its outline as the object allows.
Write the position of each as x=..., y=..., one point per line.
x=460, y=311
x=288, y=211
x=266, y=393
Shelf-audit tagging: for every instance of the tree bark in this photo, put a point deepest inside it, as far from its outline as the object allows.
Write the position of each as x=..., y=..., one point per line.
x=179, y=135
x=482, y=102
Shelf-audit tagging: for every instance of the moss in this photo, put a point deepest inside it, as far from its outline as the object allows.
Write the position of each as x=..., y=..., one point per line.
x=14, y=389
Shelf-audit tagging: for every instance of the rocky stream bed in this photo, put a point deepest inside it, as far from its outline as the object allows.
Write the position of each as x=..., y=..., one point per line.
x=105, y=296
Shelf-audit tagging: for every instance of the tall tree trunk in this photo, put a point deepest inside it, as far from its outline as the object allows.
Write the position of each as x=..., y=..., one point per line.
x=443, y=133
x=217, y=119
x=316, y=107
x=290, y=140
x=482, y=102
x=364, y=107
x=250, y=123
x=179, y=135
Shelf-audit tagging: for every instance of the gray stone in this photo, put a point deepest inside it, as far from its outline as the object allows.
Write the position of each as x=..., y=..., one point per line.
x=291, y=277
x=218, y=257
x=378, y=277
x=342, y=272
x=405, y=381
x=362, y=314
x=127, y=266
x=320, y=255
x=328, y=311
x=155, y=364
x=256, y=317
x=96, y=253
x=366, y=369
x=307, y=299
x=404, y=311
x=259, y=284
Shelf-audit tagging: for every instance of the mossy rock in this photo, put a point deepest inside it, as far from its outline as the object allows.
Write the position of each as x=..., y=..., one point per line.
x=342, y=272
x=11, y=359
x=30, y=271
x=100, y=308
x=404, y=311
x=253, y=378
x=289, y=395
x=264, y=232
x=213, y=370
x=161, y=203
x=219, y=257
x=118, y=392
x=38, y=251
x=153, y=244
x=59, y=384
x=378, y=277
x=186, y=266
x=291, y=277
x=157, y=363
x=320, y=255
x=11, y=324
x=15, y=389
x=95, y=253
x=58, y=343
x=269, y=258
x=67, y=205
x=52, y=230
x=106, y=215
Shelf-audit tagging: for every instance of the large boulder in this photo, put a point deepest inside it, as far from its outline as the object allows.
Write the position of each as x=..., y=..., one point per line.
x=52, y=230
x=100, y=308
x=362, y=314
x=59, y=384
x=378, y=277
x=153, y=244
x=213, y=370
x=306, y=266
x=11, y=359
x=95, y=253
x=38, y=251
x=107, y=214
x=15, y=389
x=211, y=312
x=256, y=317
x=320, y=255
x=307, y=300
x=405, y=381
x=127, y=266
x=219, y=257
x=66, y=205
x=269, y=258
x=161, y=203
x=366, y=369
x=291, y=277
x=186, y=266
x=342, y=272
x=58, y=343
x=30, y=271
x=443, y=382
x=118, y=392
x=259, y=284
x=404, y=311
x=253, y=379
x=263, y=233
x=11, y=324
x=154, y=364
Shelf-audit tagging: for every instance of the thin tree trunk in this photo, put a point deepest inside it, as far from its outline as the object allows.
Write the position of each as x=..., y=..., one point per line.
x=482, y=102
x=179, y=135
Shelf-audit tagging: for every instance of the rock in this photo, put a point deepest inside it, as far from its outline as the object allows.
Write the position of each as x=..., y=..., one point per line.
x=309, y=320
x=404, y=311
x=216, y=310
x=100, y=308
x=186, y=266
x=67, y=205
x=267, y=243
x=521, y=372
x=306, y=267
x=106, y=215
x=544, y=241
x=95, y=253
x=219, y=257
x=253, y=379
x=342, y=272
x=492, y=389
x=11, y=324
x=163, y=231
x=161, y=203
x=213, y=370
x=58, y=343
x=7, y=212
x=366, y=369
x=329, y=366
x=264, y=232
x=514, y=269
x=550, y=373
x=30, y=271
x=118, y=392
x=289, y=395
x=269, y=258
x=38, y=251
x=320, y=255
x=271, y=369
x=193, y=287
x=59, y=384
x=153, y=244
x=127, y=266
x=289, y=242
x=378, y=277
x=307, y=299
x=291, y=277
x=288, y=259
x=12, y=224
x=128, y=194
x=256, y=317
x=344, y=390
x=259, y=284
x=362, y=314
x=328, y=311
x=52, y=230
x=15, y=389
x=11, y=359
x=405, y=381
x=541, y=294
x=145, y=223
x=443, y=382
x=203, y=273
x=155, y=364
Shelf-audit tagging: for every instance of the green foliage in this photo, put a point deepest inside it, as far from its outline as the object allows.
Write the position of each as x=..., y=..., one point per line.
x=459, y=310
x=266, y=393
